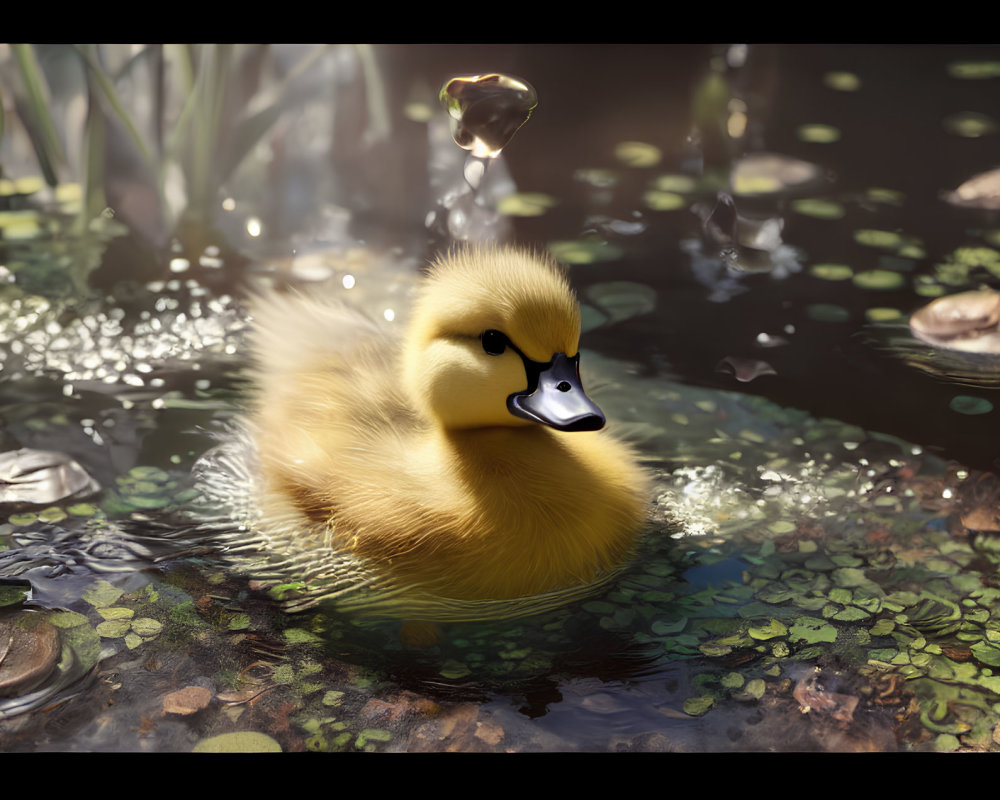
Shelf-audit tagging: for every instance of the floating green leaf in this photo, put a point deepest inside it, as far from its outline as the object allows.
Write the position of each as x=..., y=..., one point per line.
x=827, y=312
x=818, y=133
x=770, y=630
x=526, y=204
x=842, y=81
x=970, y=124
x=812, y=630
x=584, y=251
x=967, y=404
x=663, y=201
x=697, y=706
x=102, y=594
x=638, y=154
x=883, y=279
x=818, y=208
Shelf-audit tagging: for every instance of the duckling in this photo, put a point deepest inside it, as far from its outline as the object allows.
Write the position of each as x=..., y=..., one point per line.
x=465, y=458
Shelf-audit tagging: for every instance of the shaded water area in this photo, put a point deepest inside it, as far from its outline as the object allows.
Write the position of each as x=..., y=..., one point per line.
x=819, y=571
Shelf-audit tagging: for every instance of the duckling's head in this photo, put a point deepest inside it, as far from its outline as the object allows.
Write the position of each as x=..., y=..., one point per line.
x=494, y=340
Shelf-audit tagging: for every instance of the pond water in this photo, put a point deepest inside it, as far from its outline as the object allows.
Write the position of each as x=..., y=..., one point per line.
x=820, y=567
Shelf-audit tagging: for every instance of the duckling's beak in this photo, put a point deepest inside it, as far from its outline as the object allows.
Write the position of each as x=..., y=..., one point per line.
x=555, y=396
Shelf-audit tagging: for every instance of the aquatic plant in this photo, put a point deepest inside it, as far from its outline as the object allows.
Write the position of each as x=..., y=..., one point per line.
x=154, y=132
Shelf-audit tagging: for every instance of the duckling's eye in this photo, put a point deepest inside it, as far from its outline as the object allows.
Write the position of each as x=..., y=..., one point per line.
x=494, y=342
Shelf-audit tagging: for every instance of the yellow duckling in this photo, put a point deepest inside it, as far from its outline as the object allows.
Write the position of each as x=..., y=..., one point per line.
x=465, y=459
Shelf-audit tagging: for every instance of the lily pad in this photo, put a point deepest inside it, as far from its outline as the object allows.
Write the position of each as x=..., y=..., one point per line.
x=818, y=208
x=638, y=154
x=770, y=630
x=818, y=133
x=697, y=706
x=879, y=279
x=622, y=299
x=812, y=630
x=659, y=200
x=967, y=404
x=974, y=70
x=146, y=626
x=842, y=81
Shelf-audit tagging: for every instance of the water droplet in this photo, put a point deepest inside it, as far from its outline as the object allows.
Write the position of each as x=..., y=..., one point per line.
x=487, y=110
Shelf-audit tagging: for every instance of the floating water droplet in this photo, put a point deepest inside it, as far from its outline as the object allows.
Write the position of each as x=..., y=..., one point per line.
x=487, y=110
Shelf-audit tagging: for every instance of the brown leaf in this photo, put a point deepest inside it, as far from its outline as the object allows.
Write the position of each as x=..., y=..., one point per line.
x=188, y=700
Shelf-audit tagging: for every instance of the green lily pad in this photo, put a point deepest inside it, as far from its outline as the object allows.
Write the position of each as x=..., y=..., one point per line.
x=102, y=594
x=851, y=614
x=146, y=626
x=732, y=680
x=842, y=81
x=974, y=70
x=638, y=154
x=887, y=240
x=818, y=133
x=986, y=653
x=883, y=279
x=301, y=636
x=113, y=629
x=116, y=612
x=67, y=619
x=970, y=124
x=622, y=299
x=770, y=630
x=12, y=594
x=673, y=183
x=967, y=404
x=812, y=630
x=827, y=312
x=818, y=208
x=697, y=706
x=658, y=200
x=526, y=204
x=584, y=251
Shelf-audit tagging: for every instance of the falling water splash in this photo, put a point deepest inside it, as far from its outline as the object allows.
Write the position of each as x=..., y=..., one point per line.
x=484, y=112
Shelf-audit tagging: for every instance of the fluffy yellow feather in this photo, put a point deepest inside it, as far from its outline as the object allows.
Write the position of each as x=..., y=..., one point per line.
x=437, y=458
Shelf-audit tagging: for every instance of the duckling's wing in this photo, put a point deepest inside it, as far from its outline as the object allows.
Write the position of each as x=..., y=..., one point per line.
x=294, y=329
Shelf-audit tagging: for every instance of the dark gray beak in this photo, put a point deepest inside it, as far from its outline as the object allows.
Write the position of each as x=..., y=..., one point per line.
x=555, y=396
